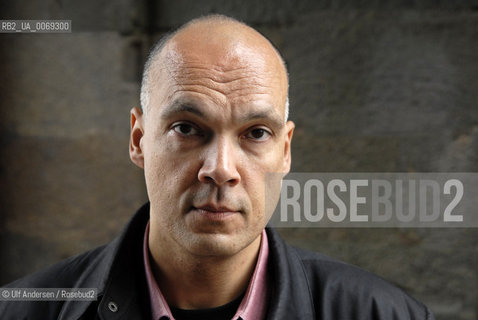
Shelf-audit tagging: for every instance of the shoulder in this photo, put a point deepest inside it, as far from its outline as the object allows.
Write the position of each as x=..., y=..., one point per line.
x=342, y=291
x=121, y=258
x=345, y=284
x=337, y=276
x=85, y=270
x=67, y=273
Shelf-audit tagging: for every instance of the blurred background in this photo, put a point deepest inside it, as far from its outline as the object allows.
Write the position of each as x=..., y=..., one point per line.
x=375, y=86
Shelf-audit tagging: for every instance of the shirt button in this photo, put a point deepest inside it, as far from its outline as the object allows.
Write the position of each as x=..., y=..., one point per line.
x=112, y=306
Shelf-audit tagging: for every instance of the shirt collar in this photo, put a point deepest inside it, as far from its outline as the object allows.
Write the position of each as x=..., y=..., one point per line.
x=253, y=305
x=159, y=306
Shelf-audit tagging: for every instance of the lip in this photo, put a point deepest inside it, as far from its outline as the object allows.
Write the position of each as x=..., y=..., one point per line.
x=215, y=209
x=216, y=213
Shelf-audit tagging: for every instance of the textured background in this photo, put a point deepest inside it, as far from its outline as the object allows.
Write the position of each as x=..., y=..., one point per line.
x=375, y=86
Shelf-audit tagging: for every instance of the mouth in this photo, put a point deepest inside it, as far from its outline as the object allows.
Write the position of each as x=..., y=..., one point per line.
x=214, y=212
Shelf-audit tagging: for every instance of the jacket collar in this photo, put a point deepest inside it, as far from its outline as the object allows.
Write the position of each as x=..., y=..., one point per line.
x=126, y=285
x=118, y=273
x=291, y=296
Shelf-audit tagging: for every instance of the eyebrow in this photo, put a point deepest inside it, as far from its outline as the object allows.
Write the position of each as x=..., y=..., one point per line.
x=180, y=106
x=266, y=114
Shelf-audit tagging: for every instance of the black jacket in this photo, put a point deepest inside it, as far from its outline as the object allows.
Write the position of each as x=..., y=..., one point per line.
x=304, y=285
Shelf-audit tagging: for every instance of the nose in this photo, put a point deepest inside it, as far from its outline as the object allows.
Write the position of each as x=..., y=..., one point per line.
x=220, y=163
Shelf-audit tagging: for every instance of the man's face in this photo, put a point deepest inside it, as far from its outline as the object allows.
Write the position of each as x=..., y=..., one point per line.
x=214, y=128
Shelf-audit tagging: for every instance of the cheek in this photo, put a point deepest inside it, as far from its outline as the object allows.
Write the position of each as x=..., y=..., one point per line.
x=272, y=192
x=263, y=181
x=154, y=174
x=165, y=172
x=168, y=176
x=256, y=180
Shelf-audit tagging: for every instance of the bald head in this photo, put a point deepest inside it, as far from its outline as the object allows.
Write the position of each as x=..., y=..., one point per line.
x=217, y=41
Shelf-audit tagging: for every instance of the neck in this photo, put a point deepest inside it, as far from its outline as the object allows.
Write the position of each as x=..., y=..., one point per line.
x=190, y=281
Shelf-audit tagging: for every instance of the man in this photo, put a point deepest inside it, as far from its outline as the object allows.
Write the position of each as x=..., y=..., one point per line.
x=213, y=124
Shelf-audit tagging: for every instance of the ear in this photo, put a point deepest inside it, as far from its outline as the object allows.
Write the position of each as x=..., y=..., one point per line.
x=289, y=131
x=137, y=131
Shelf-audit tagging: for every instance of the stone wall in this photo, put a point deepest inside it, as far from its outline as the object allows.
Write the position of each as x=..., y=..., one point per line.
x=375, y=86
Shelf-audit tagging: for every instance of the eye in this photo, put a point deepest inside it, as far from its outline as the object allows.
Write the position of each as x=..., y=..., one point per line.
x=186, y=129
x=258, y=134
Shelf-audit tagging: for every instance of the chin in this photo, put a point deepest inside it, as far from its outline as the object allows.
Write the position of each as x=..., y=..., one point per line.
x=216, y=244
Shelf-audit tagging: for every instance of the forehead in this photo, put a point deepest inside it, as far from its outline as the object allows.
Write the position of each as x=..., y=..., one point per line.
x=221, y=68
